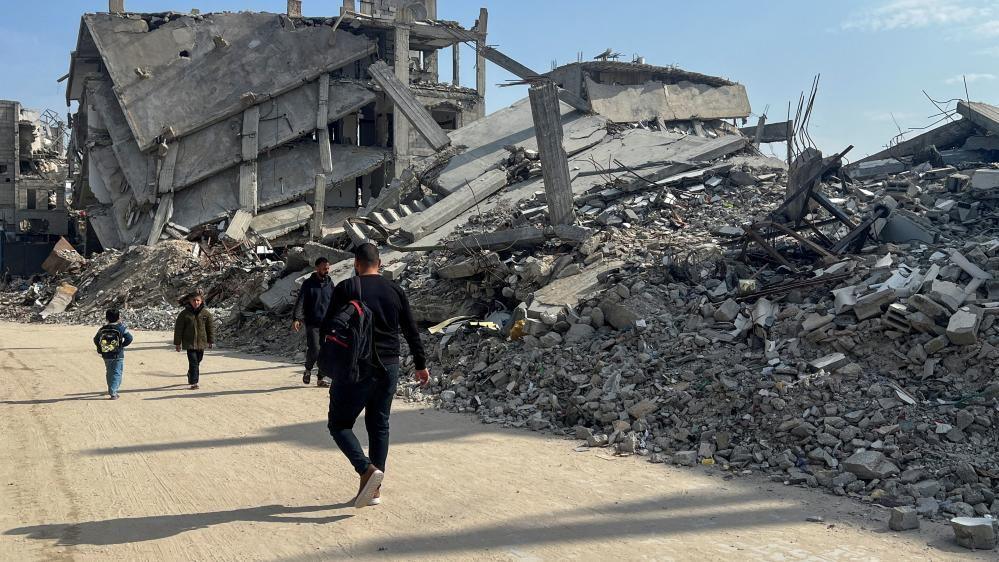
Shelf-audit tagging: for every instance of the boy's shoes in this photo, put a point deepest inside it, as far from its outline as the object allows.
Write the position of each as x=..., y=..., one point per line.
x=194, y=387
x=113, y=397
x=321, y=382
x=307, y=377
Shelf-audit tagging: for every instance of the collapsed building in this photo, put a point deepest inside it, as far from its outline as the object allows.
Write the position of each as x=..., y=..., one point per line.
x=610, y=258
x=33, y=171
x=186, y=118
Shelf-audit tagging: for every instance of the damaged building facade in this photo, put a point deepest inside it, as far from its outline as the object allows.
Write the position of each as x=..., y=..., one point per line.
x=187, y=119
x=33, y=171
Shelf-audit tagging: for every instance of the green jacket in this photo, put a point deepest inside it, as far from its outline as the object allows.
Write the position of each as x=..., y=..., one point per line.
x=194, y=330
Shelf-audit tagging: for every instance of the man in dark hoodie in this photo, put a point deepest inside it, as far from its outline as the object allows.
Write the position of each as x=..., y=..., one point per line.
x=374, y=392
x=111, y=341
x=310, y=310
x=194, y=331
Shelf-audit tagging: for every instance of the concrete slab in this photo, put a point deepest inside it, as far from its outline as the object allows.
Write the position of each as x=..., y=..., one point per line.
x=982, y=114
x=682, y=101
x=264, y=55
x=282, y=220
x=485, y=138
x=287, y=117
x=568, y=291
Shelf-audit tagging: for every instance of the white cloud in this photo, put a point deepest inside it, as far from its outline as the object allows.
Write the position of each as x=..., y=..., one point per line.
x=988, y=29
x=971, y=78
x=909, y=14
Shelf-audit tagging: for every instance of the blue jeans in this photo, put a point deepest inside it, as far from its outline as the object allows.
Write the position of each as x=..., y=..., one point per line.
x=115, y=366
x=373, y=395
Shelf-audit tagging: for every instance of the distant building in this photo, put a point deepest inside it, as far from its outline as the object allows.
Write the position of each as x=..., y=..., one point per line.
x=32, y=186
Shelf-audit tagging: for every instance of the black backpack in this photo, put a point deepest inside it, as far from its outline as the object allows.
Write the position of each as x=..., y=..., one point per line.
x=347, y=334
x=109, y=340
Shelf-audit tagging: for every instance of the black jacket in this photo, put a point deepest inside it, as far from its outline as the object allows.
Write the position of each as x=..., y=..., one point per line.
x=313, y=300
x=390, y=307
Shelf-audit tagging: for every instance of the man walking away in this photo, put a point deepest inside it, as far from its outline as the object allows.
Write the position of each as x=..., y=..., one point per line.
x=310, y=310
x=111, y=341
x=375, y=388
x=194, y=331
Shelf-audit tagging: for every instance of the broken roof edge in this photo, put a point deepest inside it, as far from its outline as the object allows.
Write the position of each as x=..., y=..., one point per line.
x=672, y=71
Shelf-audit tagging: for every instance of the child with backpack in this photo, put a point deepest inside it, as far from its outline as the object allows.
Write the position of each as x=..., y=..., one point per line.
x=111, y=341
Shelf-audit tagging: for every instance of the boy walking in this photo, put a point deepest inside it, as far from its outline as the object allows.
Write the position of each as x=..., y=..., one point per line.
x=194, y=331
x=111, y=341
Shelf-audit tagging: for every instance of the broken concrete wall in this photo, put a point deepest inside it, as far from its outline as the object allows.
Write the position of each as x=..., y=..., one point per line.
x=286, y=173
x=672, y=102
x=282, y=119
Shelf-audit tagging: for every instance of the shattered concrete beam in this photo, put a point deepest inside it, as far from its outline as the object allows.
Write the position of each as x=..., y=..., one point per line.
x=950, y=134
x=418, y=225
x=982, y=114
x=524, y=237
x=554, y=163
x=238, y=225
x=524, y=73
x=408, y=105
x=163, y=214
x=772, y=132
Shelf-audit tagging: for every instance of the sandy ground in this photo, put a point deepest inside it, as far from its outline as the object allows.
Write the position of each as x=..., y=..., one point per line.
x=244, y=470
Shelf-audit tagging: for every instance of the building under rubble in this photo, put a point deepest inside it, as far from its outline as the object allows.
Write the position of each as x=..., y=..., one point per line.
x=33, y=170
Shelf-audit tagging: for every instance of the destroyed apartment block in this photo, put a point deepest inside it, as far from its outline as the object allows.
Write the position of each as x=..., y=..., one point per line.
x=169, y=117
x=34, y=211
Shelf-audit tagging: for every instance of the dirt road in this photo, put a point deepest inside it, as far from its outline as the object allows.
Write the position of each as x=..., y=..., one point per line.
x=244, y=469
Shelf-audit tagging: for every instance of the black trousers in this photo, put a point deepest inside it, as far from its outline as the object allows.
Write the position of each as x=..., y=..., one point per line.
x=312, y=343
x=194, y=357
x=373, y=395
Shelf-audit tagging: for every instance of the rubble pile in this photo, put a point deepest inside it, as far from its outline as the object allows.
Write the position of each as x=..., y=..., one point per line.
x=870, y=373
x=145, y=283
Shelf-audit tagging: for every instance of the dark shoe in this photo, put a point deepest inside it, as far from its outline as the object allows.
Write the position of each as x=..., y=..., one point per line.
x=371, y=481
x=307, y=377
x=321, y=382
x=194, y=387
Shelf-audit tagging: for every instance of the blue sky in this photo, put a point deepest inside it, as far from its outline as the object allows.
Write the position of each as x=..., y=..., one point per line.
x=875, y=57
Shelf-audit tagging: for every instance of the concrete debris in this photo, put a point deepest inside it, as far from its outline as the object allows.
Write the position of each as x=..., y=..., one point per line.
x=903, y=519
x=977, y=533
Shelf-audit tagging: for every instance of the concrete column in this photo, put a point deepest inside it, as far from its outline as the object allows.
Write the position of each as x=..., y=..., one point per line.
x=294, y=8
x=456, y=64
x=400, y=125
x=480, y=61
x=348, y=5
x=430, y=64
x=116, y=6
x=349, y=129
x=554, y=163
